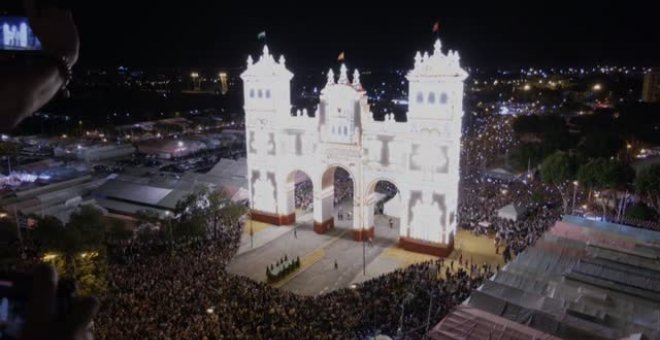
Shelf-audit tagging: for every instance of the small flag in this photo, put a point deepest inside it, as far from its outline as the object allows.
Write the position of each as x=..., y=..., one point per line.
x=261, y=35
x=340, y=57
x=436, y=27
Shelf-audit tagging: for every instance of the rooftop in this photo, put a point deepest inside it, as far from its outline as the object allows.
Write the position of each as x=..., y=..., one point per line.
x=582, y=279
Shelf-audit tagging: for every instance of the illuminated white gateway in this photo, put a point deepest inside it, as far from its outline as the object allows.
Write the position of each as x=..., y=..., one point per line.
x=420, y=156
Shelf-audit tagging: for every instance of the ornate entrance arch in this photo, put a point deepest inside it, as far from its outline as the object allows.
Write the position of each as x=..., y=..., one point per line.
x=419, y=155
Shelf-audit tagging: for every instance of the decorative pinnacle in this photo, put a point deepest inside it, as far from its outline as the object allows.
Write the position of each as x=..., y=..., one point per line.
x=356, y=79
x=250, y=61
x=266, y=52
x=282, y=60
x=343, y=74
x=437, y=47
x=331, y=77
x=418, y=58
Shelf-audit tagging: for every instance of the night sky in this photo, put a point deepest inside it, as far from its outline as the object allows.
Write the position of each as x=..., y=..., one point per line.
x=311, y=34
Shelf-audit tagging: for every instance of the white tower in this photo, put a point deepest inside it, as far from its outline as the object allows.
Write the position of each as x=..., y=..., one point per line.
x=435, y=113
x=267, y=93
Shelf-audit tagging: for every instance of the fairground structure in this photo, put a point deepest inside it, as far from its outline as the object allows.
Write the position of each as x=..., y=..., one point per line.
x=419, y=154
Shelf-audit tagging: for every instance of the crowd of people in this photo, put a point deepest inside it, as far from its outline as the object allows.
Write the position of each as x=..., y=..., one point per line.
x=343, y=189
x=188, y=294
x=483, y=194
x=304, y=196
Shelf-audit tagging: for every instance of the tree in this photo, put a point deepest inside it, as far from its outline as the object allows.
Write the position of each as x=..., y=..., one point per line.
x=605, y=174
x=599, y=144
x=88, y=223
x=647, y=185
x=47, y=232
x=147, y=218
x=641, y=211
x=8, y=239
x=118, y=232
x=205, y=212
x=8, y=231
x=559, y=170
x=192, y=215
x=84, y=232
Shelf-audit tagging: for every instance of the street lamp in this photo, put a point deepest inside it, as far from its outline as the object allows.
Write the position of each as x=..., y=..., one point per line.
x=364, y=257
x=597, y=87
x=575, y=185
x=194, y=76
x=169, y=229
x=251, y=230
x=403, y=304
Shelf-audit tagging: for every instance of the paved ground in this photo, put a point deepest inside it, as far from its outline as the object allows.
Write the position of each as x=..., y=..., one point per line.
x=318, y=254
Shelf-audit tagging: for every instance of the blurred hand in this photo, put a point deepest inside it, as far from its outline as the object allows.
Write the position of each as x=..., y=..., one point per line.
x=41, y=321
x=55, y=29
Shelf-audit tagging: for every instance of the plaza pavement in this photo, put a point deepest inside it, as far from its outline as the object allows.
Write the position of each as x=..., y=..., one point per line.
x=318, y=253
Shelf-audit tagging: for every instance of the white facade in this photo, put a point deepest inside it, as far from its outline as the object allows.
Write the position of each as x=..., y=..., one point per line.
x=420, y=156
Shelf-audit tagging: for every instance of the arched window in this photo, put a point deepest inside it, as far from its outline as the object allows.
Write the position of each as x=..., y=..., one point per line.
x=260, y=93
x=345, y=131
x=443, y=98
x=267, y=93
x=251, y=93
x=431, y=98
x=420, y=98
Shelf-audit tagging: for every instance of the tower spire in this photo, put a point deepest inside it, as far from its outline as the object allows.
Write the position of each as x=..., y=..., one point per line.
x=343, y=74
x=331, y=78
x=356, y=80
x=437, y=47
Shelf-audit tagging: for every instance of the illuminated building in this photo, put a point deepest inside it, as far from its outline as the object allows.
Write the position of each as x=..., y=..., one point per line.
x=420, y=156
x=651, y=89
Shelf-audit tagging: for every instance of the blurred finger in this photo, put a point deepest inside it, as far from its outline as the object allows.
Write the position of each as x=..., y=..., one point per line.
x=41, y=307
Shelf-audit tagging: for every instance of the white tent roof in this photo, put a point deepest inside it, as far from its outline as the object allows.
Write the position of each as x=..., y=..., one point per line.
x=511, y=211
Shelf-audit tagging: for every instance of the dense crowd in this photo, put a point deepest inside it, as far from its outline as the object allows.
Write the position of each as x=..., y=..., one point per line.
x=304, y=196
x=483, y=194
x=188, y=294
x=343, y=189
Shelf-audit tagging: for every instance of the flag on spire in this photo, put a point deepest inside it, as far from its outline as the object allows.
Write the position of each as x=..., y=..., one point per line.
x=341, y=56
x=436, y=27
x=261, y=35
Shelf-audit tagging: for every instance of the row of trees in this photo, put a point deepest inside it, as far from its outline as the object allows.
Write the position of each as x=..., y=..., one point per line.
x=609, y=176
x=79, y=247
x=603, y=134
x=201, y=214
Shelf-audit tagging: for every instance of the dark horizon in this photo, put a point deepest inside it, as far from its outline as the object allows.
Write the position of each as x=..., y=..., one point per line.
x=491, y=35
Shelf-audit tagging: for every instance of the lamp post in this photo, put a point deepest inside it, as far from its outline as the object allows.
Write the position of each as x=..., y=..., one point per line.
x=428, y=316
x=575, y=185
x=194, y=76
x=169, y=229
x=403, y=304
x=364, y=258
x=251, y=230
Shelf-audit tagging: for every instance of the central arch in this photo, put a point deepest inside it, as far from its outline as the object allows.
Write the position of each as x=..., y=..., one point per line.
x=336, y=200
